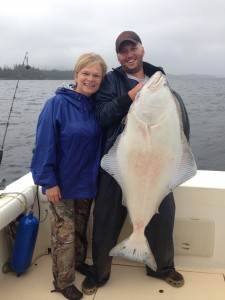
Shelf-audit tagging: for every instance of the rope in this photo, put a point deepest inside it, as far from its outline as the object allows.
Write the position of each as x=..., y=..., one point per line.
x=12, y=195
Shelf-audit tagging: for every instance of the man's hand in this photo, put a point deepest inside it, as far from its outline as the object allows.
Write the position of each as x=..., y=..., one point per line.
x=132, y=93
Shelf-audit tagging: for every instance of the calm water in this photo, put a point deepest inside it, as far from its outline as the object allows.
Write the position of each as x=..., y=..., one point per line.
x=204, y=100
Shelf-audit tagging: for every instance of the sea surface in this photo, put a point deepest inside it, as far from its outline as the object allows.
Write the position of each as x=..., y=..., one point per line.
x=204, y=100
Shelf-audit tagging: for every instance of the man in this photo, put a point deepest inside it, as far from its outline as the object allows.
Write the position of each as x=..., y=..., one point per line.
x=113, y=100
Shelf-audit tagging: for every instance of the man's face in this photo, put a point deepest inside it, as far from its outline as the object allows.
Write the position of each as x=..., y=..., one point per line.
x=131, y=56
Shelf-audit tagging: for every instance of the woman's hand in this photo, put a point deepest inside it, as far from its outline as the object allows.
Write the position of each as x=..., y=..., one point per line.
x=53, y=194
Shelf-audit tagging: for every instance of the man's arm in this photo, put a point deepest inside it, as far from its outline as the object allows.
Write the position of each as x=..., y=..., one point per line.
x=113, y=101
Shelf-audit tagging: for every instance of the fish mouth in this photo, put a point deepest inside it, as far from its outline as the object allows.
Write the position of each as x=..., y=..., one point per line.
x=158, y=79
x=158, y=76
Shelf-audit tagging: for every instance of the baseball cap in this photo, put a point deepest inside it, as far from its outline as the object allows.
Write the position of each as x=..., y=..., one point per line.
x=127, y=36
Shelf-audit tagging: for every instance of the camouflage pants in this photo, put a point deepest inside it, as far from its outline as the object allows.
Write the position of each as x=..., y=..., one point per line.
x=69, y=220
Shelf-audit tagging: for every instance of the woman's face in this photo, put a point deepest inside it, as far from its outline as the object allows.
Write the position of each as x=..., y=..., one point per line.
x=88, y=79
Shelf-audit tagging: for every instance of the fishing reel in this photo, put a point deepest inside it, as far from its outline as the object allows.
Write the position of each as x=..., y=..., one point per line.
x=25, y=62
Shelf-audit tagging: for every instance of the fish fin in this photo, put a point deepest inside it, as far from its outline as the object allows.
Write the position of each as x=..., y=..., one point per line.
x=110, y=165
x=135, y=250
x=124, y=202
x=109, y=161
x=187, y=168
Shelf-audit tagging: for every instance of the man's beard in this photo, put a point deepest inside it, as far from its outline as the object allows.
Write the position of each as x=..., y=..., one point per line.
x=135, y=70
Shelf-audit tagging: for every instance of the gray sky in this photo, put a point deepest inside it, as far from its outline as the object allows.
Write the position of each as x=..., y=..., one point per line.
x=182, y=36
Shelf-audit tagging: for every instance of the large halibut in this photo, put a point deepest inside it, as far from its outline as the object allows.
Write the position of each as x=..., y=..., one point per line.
x=149, y=159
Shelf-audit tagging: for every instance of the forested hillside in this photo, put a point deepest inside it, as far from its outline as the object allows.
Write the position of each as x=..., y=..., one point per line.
x=27, y=72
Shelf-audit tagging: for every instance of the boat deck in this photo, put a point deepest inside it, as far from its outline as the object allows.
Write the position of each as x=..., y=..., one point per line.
x=200, y=222
x=126, y=282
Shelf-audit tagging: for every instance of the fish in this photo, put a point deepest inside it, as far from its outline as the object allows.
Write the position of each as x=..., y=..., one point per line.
x=149, y=159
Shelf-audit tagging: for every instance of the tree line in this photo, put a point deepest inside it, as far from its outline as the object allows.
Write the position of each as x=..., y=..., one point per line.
x=23, y=72
x=31, y=73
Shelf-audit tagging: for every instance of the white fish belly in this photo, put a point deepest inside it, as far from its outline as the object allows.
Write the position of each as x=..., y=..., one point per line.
x=147, y=158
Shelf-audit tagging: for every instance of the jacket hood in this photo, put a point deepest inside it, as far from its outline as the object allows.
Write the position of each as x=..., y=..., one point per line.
x=68, y=93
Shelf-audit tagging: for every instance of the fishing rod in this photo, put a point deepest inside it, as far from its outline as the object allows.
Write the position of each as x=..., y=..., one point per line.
x=26, y=65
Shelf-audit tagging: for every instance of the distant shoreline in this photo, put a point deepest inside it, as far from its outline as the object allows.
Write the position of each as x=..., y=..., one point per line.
x=30, y=73
x=187, y=76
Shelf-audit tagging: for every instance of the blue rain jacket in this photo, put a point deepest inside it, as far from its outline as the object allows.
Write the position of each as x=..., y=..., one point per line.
x=68, y=145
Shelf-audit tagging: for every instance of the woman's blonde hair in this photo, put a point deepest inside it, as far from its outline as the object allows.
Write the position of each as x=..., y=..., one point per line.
x=88, y=59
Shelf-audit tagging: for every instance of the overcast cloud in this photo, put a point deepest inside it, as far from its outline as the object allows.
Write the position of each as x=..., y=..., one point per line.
x=182, y=36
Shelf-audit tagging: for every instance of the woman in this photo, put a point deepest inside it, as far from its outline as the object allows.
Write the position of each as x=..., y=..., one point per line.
x=66, y=163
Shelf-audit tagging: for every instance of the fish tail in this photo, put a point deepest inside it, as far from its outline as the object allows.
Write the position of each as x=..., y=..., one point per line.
x=136, y=250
